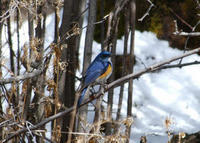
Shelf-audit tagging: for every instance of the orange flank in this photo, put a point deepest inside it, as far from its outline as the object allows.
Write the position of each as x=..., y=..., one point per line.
x=107, y=73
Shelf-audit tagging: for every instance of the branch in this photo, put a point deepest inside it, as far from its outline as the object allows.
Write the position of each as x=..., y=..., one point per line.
x=198, y=4
x=149, y=69
x=112, y=22
x=28, y=75
x=11, y=9
x=181, y=19
x=147, y=12
x=191, y=34
x=179, y=65
x=20, y=77
x=110, y=86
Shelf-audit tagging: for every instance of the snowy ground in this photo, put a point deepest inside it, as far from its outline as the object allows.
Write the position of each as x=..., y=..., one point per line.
x=171, y=93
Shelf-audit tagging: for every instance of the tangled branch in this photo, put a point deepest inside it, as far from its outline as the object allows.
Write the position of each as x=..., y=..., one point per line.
x=115, y=83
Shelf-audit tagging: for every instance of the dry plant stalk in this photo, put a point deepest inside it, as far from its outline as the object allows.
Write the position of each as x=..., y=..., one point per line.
x=168, y=122
x=56, y=136
x=56, y=61
x=181, y=135
x=93, y=135
x=54, y=85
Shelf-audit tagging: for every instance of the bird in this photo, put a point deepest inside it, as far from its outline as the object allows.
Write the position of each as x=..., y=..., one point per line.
x=98, y=72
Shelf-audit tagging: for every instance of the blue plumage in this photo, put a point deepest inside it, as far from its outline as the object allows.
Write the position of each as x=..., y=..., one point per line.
x=96, y=72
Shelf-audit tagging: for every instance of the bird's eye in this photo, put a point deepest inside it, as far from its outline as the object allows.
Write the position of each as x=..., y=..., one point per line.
x=104, y=56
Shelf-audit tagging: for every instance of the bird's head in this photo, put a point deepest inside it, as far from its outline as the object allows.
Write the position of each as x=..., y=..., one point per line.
x=104, y=55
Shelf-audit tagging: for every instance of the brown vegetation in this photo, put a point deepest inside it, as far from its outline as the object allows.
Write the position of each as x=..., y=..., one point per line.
x=37, y=83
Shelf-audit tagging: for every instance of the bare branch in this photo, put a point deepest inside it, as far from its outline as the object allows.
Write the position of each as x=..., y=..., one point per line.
x=147, y=12
x=113, y=17
x=20, y=77
x=181, y=19
x=179, y=65
x=10, y=11
x=150, y=69
x=109, y=86
x=198, y=3
x=191, y=34
x=28, y=75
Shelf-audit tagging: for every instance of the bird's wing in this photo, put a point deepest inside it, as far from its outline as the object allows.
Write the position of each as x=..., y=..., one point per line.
x=94, y=71
x=82, y=96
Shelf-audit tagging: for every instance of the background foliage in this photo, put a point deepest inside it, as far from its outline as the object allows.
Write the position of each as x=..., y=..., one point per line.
x=160, y=20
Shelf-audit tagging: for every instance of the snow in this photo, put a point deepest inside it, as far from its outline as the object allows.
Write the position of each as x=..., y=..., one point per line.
x=167, y=94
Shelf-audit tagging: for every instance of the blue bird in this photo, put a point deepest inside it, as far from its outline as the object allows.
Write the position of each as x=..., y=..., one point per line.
x=98, y=72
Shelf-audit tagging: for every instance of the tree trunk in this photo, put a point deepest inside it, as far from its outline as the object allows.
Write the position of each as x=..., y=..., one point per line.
x=27, y=96
x=112, y=78
x=69, y=55
x=1, y=26
x=88, y=52
x=12, y=61
x=111, y=37
x=102, y=24
x=12, y=67
x=40, y=83
x=124, y=69
x=89, y=35
x=18, y=53
x=81, y=12
x=130, y=87
x=54, y=125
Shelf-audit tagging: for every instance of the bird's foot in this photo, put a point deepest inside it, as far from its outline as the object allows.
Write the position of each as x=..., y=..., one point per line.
x=92, y=97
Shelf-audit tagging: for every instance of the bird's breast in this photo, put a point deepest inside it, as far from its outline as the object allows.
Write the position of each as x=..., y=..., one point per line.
x=106, y=74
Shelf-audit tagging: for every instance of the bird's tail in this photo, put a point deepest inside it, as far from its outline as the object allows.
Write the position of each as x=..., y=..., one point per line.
x=82, y=96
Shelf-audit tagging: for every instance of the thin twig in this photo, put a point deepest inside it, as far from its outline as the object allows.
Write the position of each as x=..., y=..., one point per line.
x=188, y=37
x=179, y=65
x=189, y=34
x=140, y=60
x=181, y=19
x=27, y=126
x=11, y=10
x=147, y=12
